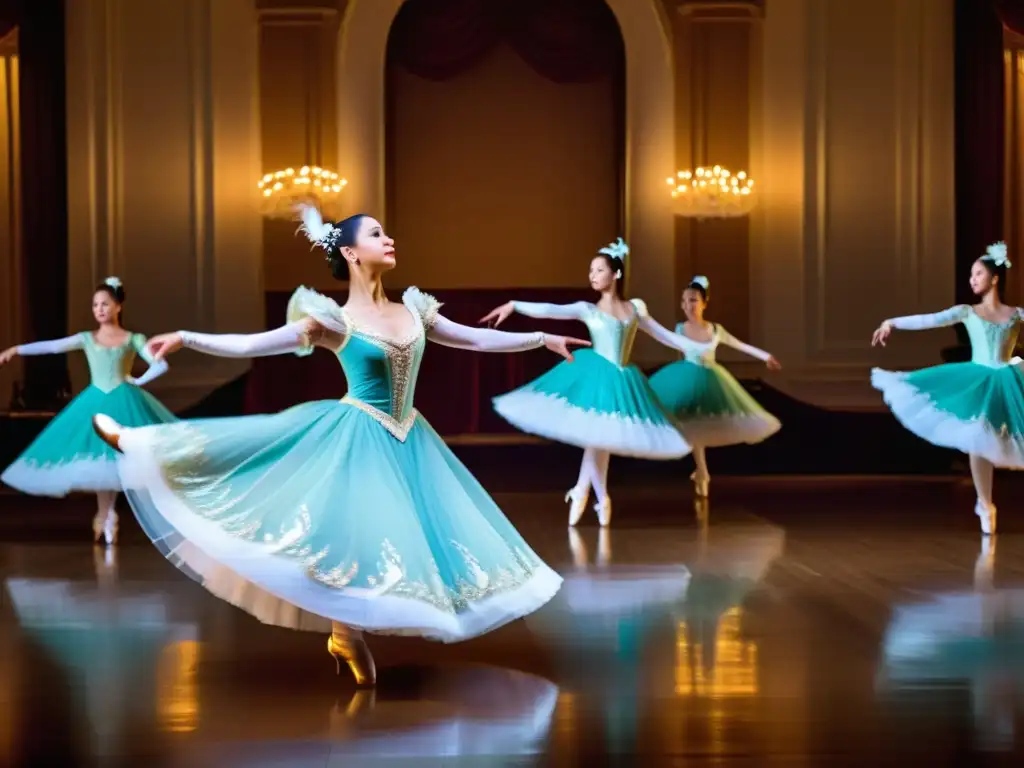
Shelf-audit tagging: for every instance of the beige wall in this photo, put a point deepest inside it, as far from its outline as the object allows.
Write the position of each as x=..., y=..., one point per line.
x=163, y=154
x=500, y=178
x=853, y=147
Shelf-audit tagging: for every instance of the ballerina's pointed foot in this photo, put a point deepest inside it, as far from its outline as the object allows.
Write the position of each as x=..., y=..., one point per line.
x=578, y=504
x=987, y=517
x=604, y=511
x=350, y=646
x=108, y=430
x=700, y=485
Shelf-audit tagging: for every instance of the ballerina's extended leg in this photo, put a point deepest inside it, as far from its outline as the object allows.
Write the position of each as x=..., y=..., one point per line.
x=982, y=473
x=348, y=644
x=578, y=495
x=600, y=483
x=701, y=477
x=104, y=524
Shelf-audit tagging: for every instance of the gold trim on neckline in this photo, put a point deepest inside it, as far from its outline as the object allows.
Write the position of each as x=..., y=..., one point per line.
x=400, y=429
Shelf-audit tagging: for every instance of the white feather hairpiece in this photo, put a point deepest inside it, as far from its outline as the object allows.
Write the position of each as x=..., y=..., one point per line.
x=113, y=282
x=702, y=281
x=617, y=250
x=996, y=253
x=320, y=233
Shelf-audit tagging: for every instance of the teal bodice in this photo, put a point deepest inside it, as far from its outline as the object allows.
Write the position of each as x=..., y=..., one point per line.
x=992, y=344
x=382, y=373
x=612, y=338
x=109, y=366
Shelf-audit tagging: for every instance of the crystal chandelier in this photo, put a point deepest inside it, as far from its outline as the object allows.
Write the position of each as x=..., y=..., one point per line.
x=281, y=191
x=712, y=193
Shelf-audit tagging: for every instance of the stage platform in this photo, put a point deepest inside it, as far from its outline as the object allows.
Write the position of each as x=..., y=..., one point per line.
x=791, y=621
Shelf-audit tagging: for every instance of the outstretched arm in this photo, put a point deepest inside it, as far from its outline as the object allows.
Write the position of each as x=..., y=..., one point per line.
x=288, y=338
x=660, y=333
x=748, y=349
x=451, y=334
x=538, y=310
x=156, y=367
x=947, y=317
x=52, y=347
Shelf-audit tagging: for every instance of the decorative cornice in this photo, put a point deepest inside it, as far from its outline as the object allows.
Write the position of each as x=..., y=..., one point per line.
x=722, y=10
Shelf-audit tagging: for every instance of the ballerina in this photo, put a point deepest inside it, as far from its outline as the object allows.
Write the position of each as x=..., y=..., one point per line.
x=67, y=455
x=600, y=403
x=712, y=408
x=339, y=516
x=975, y=407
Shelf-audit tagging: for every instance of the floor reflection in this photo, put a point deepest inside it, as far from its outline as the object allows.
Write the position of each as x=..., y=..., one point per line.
x=964, y=638
x=604, y=625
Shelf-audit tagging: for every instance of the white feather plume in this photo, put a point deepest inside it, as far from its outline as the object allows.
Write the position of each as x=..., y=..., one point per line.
x=313, y=225
x=996, y=253
x=617, y=250
x=702, y=281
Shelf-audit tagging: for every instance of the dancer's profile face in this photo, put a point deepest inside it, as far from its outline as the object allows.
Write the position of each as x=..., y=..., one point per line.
x=601, y=275
x=982, y=280
x=693, y=303
x=372, y=247
x=105, y=307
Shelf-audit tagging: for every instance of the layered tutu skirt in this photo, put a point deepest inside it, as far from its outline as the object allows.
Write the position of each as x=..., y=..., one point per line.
x=68, y=456
x=971, y=407
x=319, y=513
x=593, y=403
x=712, y=408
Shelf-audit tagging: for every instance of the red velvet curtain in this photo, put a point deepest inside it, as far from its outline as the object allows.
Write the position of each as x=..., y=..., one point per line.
x=565, y=41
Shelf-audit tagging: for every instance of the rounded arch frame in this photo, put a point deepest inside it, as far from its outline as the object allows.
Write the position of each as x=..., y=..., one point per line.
x=650, y=130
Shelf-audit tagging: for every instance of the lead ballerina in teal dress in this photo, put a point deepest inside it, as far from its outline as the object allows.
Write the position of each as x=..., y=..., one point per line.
x=601, y=403
x=712, y=408
x=341, y=515
x=67, y=455
x=975, y=407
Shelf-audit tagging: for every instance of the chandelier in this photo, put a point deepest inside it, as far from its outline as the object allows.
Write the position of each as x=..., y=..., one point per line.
x=712, y=193
x=281, y=191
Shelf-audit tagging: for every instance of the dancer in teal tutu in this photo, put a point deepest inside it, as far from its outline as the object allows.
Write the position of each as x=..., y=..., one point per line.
x=975, y=407
x=712, y=408
x=342, y=515
x=67, y=455
x=600, y=403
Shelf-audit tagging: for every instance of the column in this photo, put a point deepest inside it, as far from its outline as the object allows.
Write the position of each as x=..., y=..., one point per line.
x=298, y=93
x=164, y=153
x=714, y=46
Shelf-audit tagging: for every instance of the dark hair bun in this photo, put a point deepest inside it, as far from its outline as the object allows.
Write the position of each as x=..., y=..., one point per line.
x=113, y=287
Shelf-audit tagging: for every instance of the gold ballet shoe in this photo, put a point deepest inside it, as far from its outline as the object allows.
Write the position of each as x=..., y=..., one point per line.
x=108, y=430
x=700, y=485
x=348, y=645
x=98, y=522
x=579, y=503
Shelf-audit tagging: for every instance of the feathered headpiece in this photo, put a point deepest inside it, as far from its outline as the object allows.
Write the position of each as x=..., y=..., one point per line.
x=996, y=253
x=617, y=250
x=702, y=281
x=113, y=282
x=320, y=233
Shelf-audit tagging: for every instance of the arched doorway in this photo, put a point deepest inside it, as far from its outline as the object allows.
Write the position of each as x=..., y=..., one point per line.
x=649, y=129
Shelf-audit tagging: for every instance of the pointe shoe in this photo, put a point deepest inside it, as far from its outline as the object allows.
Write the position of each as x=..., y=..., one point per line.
x=98, y=522
x=110, y=528
x=987, y=516
x=108, y=430
x=579, y=503
x=353, y=650
x=700, y=485
x=604, y=511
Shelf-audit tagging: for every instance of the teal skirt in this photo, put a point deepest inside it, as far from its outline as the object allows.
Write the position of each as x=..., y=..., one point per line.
x=68, y=456
x=712, y=408
x=593, y=403
x=320, y=514
x=970, y=407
